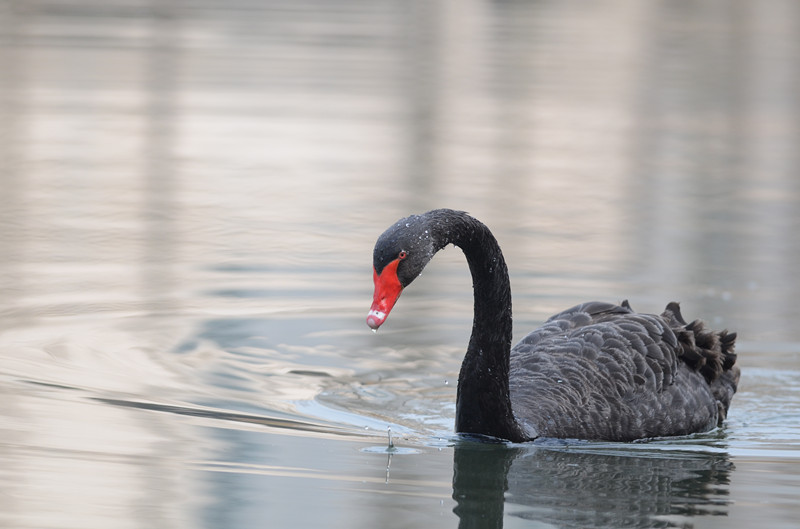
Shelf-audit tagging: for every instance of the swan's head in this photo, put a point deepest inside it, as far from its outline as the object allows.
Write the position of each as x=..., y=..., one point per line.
x=400, y=255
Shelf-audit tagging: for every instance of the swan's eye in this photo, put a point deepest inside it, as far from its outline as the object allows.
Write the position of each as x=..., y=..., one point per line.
x=402, y=255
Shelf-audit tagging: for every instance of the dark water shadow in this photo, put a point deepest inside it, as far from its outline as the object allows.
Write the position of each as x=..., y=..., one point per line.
x=280, y=423
x=587, y=487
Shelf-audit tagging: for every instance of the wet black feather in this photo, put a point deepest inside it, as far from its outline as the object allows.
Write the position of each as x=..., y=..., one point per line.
x=646, y=375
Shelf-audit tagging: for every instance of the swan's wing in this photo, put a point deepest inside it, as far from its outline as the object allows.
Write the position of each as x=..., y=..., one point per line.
x=592, y=309
x=600, y=370
x=629, y=349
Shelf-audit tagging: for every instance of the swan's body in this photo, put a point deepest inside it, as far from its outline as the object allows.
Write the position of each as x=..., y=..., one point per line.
x=595, y=371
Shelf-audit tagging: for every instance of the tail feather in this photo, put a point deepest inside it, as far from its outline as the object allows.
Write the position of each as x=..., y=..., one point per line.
x=709, y=352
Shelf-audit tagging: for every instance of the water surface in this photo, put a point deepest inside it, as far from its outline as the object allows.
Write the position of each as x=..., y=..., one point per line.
x=191, y=192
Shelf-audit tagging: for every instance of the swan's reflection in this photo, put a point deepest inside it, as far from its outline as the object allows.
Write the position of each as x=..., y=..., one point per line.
x=587, y=486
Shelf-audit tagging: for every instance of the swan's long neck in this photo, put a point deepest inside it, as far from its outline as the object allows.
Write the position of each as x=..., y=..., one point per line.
x=483, y=405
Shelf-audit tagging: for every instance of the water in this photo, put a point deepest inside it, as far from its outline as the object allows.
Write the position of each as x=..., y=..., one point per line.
x=191, y=192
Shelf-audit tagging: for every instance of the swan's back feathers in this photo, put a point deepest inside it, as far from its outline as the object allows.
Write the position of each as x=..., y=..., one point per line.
x=603, y=371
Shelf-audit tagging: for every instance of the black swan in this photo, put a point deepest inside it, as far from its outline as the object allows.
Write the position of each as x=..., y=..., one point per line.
x=597, y=371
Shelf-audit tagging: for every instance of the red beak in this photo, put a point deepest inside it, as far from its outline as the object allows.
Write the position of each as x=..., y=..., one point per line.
x=387, y=290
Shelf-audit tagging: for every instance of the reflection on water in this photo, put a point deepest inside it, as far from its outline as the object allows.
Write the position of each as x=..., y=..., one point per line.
x=191, y=192
x=588, y=487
